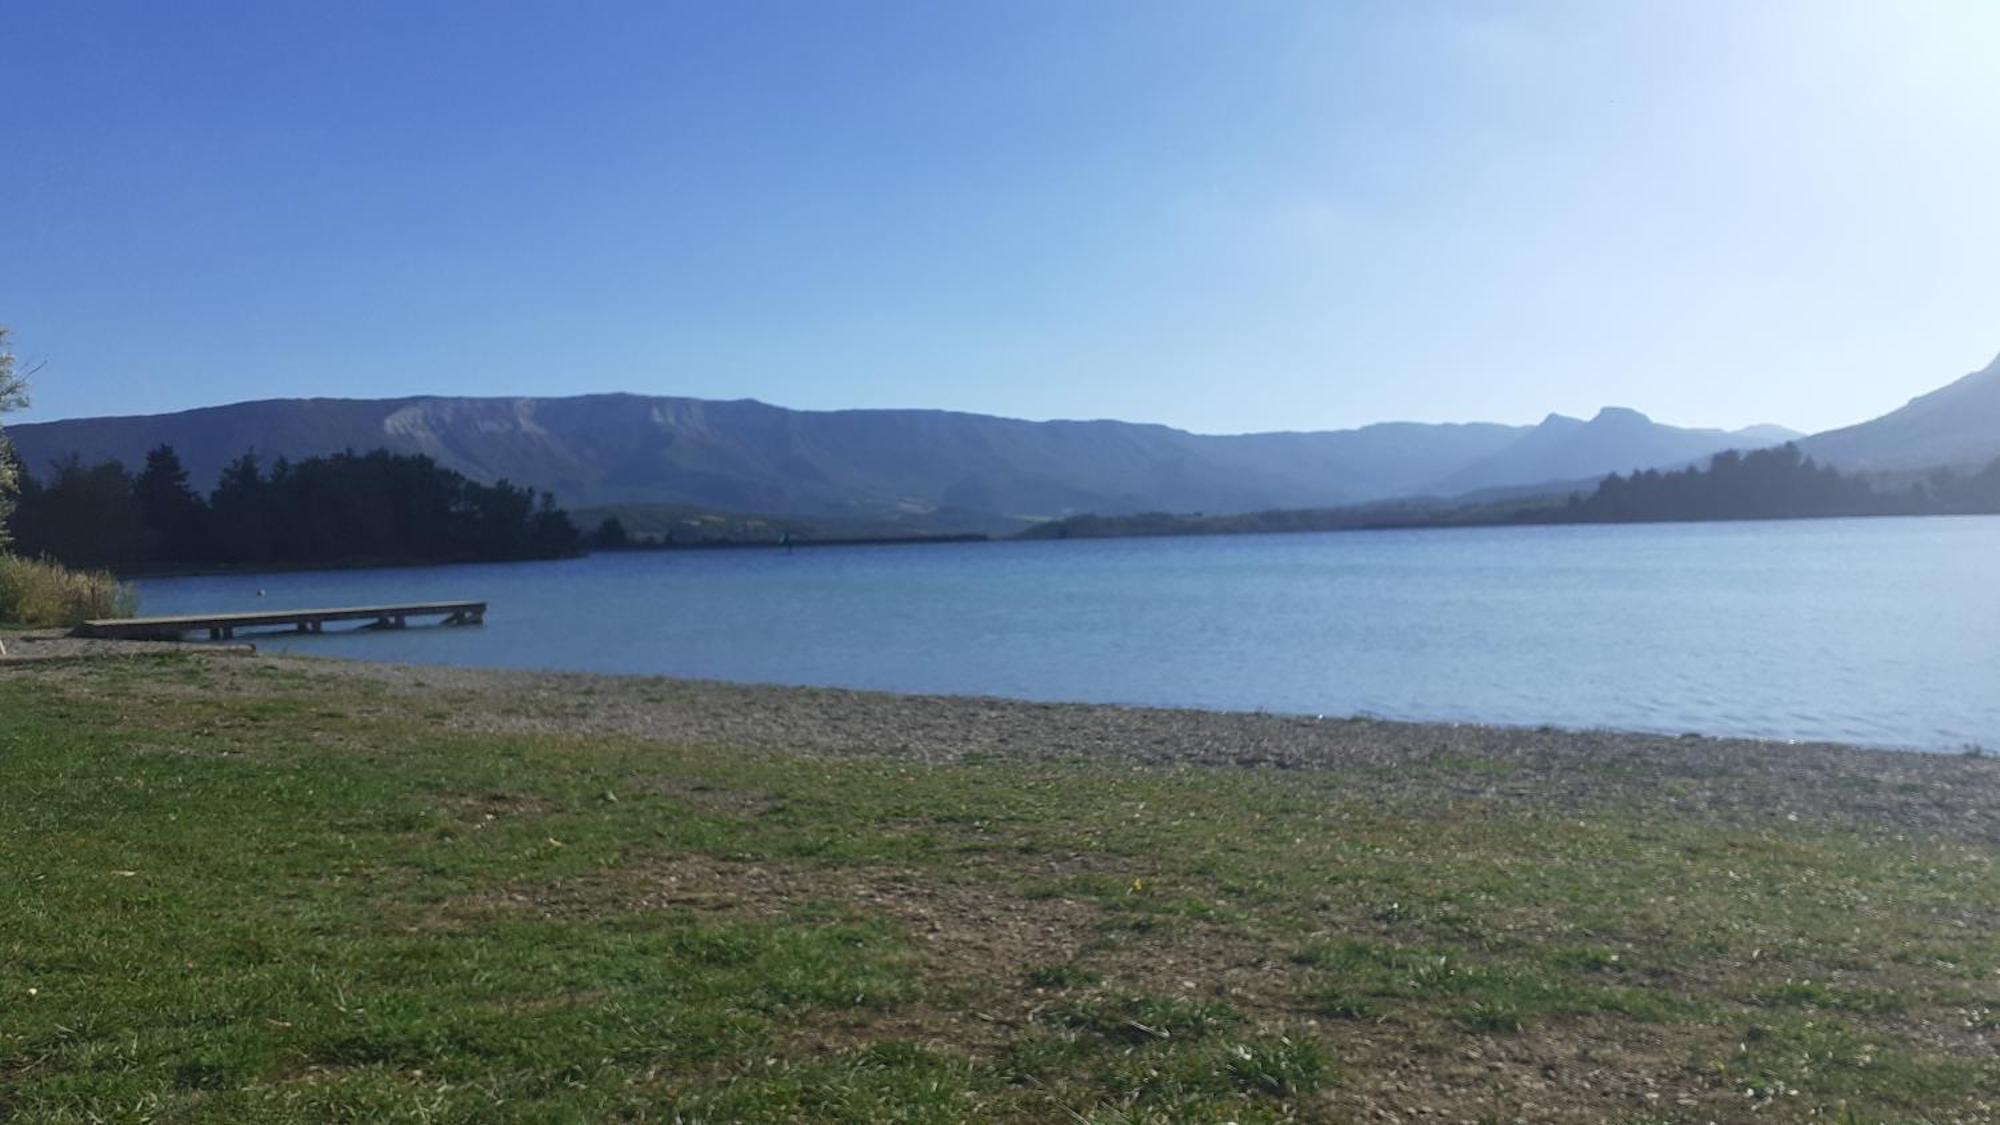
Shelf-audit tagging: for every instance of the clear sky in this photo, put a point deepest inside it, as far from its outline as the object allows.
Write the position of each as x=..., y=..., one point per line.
x=1228, y=215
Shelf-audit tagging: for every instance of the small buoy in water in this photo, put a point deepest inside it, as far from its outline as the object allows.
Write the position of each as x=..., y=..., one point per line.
x=260, y=593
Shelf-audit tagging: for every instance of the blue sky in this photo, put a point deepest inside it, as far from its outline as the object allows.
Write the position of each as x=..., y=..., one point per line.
x=1224, y=216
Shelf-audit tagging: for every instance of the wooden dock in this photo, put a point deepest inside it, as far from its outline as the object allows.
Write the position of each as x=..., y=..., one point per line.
x=223, y=626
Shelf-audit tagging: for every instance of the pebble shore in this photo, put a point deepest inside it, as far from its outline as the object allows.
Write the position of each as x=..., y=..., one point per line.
x=1739, y=779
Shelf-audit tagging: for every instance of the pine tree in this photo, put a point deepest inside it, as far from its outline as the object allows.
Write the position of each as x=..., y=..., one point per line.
x=172, y=518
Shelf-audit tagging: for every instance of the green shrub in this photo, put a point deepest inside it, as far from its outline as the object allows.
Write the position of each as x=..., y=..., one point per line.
x=34, y=592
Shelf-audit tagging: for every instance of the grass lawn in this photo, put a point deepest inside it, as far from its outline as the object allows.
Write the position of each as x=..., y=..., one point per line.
x=253, y=890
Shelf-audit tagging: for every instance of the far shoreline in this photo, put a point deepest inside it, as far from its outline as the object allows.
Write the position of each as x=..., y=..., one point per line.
x=976, y=539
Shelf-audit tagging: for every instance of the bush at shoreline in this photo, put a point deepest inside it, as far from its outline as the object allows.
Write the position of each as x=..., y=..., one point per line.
x=40, y=593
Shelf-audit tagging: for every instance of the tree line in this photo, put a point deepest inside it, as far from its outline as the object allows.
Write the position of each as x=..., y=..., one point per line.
x=1776, y=483
x=343, y=509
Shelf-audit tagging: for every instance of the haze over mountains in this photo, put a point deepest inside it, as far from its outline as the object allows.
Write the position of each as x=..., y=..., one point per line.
x=746, y=456
x=941, y=469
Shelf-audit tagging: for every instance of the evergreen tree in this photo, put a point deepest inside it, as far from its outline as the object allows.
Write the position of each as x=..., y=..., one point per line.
x=173, y=521
x=82, y=517
x=611, y=535
x=553, y=533
x=238, y=512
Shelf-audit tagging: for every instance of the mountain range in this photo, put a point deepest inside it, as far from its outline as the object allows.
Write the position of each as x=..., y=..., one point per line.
x=939, y=469
x=928, y=467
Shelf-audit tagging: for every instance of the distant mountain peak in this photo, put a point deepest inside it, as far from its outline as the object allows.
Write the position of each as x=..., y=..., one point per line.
x=1624, y=415
x=1564, y=450
x=1767, y=433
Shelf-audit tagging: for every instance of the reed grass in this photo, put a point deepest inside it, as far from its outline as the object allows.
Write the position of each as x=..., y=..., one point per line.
x=39, y=593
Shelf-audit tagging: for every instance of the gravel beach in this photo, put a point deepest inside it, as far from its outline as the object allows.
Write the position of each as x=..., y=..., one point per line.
x=1738, y=779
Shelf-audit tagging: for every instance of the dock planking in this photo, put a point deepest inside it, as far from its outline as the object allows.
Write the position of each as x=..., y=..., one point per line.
x=223, y=626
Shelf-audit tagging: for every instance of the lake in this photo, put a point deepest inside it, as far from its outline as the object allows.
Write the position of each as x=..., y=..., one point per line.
x=1881, y=632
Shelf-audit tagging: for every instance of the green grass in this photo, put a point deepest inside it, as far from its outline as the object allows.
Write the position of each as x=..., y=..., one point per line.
x=237, y=891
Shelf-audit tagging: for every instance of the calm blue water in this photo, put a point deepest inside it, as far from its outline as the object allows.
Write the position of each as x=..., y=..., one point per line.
x=1885, y=632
